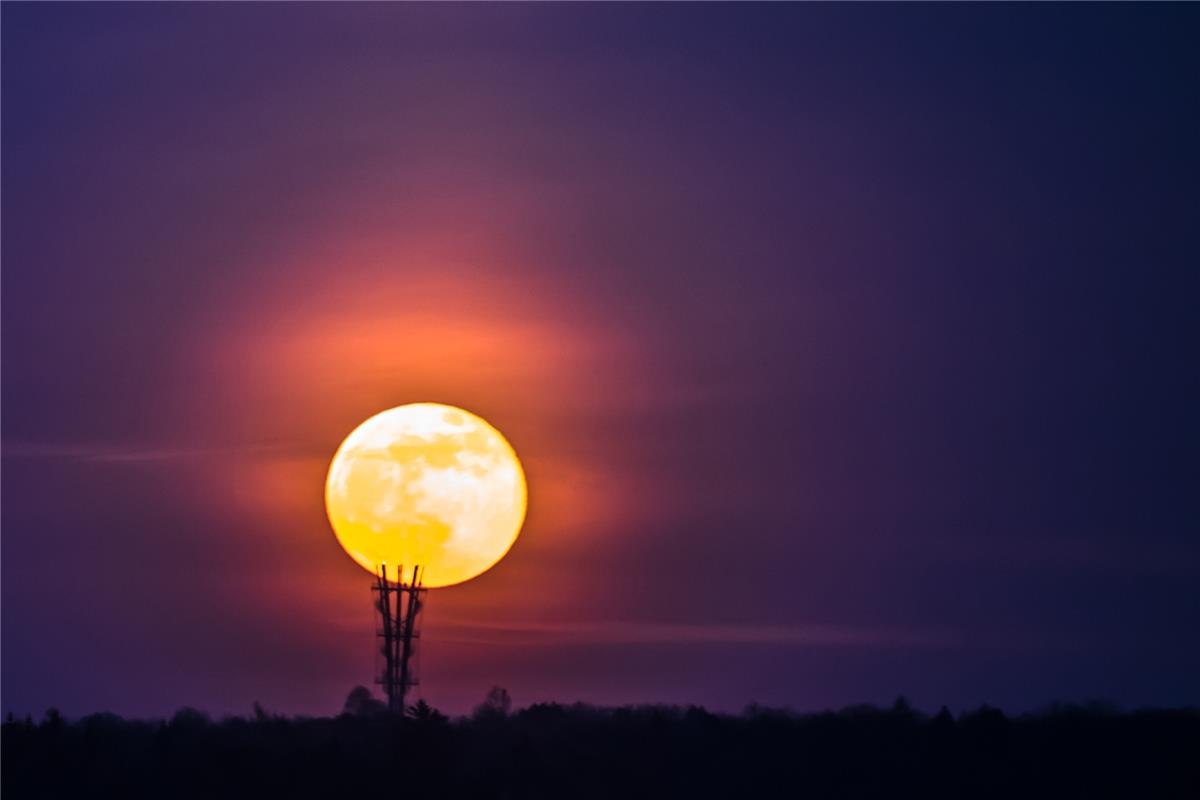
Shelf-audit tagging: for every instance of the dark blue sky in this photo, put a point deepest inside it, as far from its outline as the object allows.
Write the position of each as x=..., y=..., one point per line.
x=850, y=349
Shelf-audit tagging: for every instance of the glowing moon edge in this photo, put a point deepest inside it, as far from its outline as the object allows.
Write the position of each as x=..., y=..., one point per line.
x=426, y=484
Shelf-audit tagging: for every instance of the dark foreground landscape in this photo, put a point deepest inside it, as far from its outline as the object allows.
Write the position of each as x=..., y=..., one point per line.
x=579, y=751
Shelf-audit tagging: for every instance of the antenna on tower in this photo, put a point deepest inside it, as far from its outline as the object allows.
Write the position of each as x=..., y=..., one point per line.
x=399, y=606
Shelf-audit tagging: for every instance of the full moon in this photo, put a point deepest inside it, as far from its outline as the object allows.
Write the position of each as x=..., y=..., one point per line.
x=427, y=485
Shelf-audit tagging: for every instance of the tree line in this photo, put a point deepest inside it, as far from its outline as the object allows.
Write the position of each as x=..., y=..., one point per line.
x=552, y=750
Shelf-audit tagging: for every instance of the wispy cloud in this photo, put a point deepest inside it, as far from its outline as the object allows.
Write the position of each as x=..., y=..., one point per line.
x=124, y=453
x=616, y=632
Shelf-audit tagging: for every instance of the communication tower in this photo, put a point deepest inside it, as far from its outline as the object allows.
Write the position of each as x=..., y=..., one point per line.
x=398, y=604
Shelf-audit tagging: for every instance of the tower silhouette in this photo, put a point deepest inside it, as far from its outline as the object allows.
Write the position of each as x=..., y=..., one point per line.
x=399, y=607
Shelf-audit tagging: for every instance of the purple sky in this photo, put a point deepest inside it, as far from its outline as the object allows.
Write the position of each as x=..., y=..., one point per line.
x=850, y=349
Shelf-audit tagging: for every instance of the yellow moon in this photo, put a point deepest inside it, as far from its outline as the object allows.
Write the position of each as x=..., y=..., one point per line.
x=426, y=485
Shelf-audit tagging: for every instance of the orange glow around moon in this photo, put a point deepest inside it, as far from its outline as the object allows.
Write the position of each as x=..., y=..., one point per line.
x=426, y=484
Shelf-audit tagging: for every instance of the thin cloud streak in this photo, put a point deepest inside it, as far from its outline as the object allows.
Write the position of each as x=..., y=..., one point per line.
x=128, y=453
x=617, y=632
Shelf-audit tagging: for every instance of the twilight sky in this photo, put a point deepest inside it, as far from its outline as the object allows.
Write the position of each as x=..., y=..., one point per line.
x=850, y=350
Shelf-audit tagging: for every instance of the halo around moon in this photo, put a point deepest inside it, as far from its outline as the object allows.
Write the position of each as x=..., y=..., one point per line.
x=426, y=484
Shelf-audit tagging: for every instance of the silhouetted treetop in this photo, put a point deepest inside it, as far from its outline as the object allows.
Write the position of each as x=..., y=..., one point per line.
x=550, y=750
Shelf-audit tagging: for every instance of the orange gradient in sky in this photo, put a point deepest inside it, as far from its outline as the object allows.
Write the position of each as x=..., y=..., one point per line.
x=328, y=336
x=304, y=365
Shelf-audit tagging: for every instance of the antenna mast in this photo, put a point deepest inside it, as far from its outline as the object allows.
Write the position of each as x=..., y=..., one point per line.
x=399, y=606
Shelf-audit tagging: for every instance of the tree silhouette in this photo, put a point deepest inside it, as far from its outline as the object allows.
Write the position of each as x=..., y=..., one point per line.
x=550, y=750
x=361, y=703
x=421, y=711
x=496, y=705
